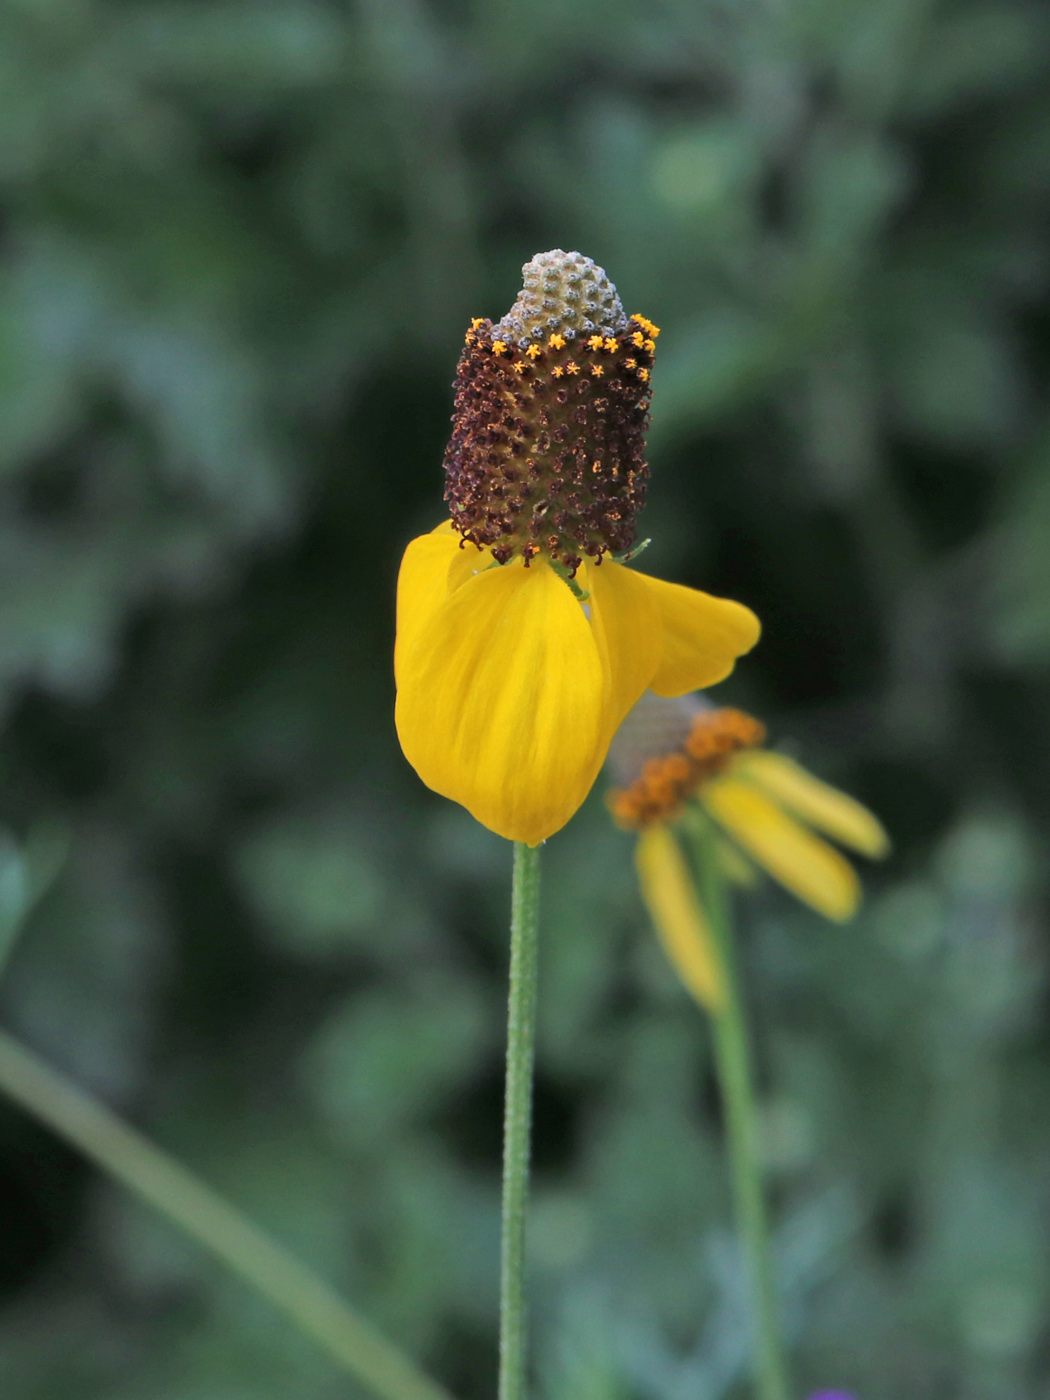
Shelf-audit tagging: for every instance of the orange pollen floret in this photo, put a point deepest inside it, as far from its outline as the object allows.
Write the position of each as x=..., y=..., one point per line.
x=612, y=344
x=557, y=371
x=650, y=345
x=476, y=321
x=498, y=347
x=638, y=339
x=596, y=342
x=630, y=364
x=557, y=342
x=726, y=731
x=533, y=351
x=519, y=366
x=669, y=780
x=643, y=375
x=624, y=809
x=597, y=370
x=572, y=367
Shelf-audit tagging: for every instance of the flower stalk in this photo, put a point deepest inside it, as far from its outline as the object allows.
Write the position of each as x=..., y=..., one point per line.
x=736, y=1082
x=517, y=1122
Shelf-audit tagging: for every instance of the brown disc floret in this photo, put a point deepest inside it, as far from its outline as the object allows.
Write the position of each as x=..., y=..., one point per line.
x=547, y=453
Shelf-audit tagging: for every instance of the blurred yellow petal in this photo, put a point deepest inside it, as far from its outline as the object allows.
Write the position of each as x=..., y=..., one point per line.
x=670, y=896
x=802, y=862
x=702, y=636
x=501, y=701
x=817, y=803
x=629, y=634
x=422, y=586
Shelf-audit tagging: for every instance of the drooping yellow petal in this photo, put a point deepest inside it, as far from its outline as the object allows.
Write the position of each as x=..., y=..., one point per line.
x=802, y=862
x=422, y=585
x=629, y=632
x=678, y=916
x=702, y=636
x=817, y=803
x=501, y=701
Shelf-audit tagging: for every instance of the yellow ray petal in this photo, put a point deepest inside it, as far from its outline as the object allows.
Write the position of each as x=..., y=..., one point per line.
x=678, y=916
x=805, y=864
x=702, y=636
x=817, y=803
x=422, y=585
x=500, y=701
x=629, y=634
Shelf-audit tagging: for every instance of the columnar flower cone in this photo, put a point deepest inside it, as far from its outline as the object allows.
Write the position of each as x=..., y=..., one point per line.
x=673, y=755
x=522, y=638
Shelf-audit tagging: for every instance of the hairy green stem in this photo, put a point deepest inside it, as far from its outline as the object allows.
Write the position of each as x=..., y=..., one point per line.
x=213, y=1222
x=733, y=1064
x=517, y=1120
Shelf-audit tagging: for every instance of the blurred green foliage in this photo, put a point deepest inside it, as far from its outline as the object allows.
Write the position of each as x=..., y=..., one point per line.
x=240, y=242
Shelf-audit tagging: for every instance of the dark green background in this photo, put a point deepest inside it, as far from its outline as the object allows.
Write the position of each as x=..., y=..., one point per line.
x=240, y=242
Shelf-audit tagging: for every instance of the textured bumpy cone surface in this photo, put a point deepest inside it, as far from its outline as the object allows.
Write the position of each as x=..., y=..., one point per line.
x=547, y=453
x=562, y=292
x=657, y=725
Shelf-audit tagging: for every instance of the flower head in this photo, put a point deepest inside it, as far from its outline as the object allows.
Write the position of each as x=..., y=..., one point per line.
x=672, y=755
x=542, y=459
x=522, y=638
x=770, y=808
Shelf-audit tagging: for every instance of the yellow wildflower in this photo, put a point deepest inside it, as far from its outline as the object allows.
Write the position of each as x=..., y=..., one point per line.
x=522, y=641
x=768, y=809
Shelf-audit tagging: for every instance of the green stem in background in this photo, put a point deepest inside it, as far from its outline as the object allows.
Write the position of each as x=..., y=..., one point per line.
x=733, y=1064
x=517, y=1120
x=160, y=1180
